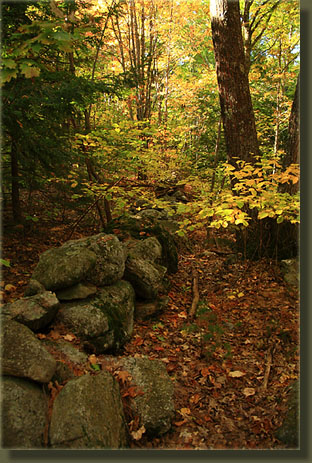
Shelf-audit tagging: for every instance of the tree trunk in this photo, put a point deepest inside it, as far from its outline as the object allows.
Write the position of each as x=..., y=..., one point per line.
x=292, y=153
x=232, y=74
x=16, y=204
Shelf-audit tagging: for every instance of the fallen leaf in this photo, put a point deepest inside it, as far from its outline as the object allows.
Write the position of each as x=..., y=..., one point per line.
x=41, y=336
x=180, y=423
x=132, y=392
x=55, y=335
x=195, y=399
x=249, y=391
x=124, y=376
x=69, y=337
x=138, y=341
x=139, y=433
x=92, y=359
x=205, y=371
x=184, y=411
x=236, y=374
x=9, y=288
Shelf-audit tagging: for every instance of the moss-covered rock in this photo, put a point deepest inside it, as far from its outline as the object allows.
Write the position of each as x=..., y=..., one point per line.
x=97, y=259
x=155, y=406
x=88, y=414
x=63, y=267
x=23, y=355
x=104, y=322
x=146, y=277
x=36, y=312
x=24, y=408
x=288, y=433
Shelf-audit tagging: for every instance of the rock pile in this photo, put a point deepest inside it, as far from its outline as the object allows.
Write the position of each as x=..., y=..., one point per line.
x=95, y=287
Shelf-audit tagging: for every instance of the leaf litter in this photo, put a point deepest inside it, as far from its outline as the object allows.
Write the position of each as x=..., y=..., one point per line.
x=231, y=365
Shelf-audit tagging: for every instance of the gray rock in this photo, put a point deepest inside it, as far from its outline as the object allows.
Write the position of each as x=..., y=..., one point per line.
x=145, y=310
x=290, y=271
x=106, y=321
x=73, y=354
x=169, y=240
x=23, y=355
x=34, y=287
x=78, y=291
x=98, y=259
x=146, y=277
x=88, y=414
x=155, y=407
x=36, y=312
x=288, y=433
x=84, y=319
x=62, y=373
x=62, y=267
x=152, y=214
x=24, y=412
x=110, y=258
x=118, y=303
x=148, y=249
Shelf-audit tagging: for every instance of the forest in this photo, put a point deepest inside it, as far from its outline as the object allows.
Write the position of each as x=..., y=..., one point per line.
x=161, y=138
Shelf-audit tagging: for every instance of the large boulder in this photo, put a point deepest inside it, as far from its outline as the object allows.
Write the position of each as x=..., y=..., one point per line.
x=88, y=414
x=62, y=267
x=146, y=277
x=142, y=269
x=36, y=312
x=110, y=262
x=117, y=302
x=104, y=322
x=24, y=410
x=148, y=249
x=155, y=406
x=23, y=354
x=98, y=259
x=84, y=319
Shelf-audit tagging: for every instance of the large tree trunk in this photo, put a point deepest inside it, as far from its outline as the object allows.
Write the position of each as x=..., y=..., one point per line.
x=235, y=100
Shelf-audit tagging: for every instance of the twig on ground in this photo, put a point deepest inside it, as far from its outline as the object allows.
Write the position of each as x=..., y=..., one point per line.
x=195, y=295
x=267, y=369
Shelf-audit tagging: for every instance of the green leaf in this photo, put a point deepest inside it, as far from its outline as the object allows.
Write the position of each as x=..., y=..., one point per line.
x=9, y=63
x=7, y=75
x=280, y=219
x=95, y=367
x=29, y=71
x=62, y=35
x=262, y=214
x=4, y=262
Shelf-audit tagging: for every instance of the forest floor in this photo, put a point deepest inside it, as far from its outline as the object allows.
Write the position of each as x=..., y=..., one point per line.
x=231, y=365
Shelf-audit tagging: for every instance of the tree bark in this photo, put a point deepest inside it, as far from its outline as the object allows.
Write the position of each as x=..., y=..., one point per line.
x=15, y=196
x=232, y=74
x=293, y=153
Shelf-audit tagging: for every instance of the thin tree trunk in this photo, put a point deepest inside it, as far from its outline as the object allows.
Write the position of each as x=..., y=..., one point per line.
x=216, y=154
x=15, y=193
x=292, y=155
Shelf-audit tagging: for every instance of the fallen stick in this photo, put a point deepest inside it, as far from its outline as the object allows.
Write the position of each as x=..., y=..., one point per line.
x=195, y=295
x=267, y=369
